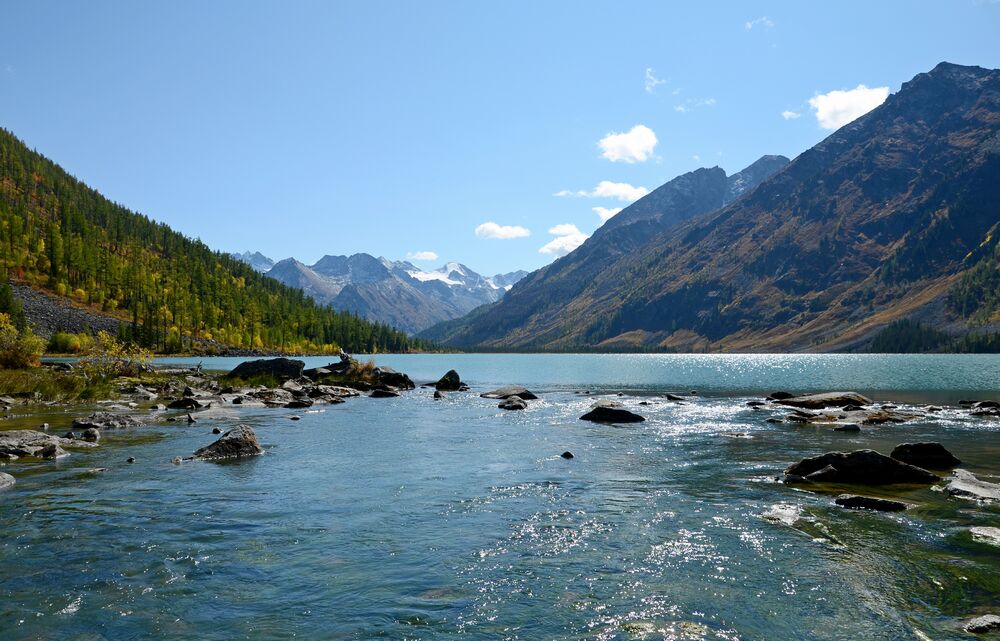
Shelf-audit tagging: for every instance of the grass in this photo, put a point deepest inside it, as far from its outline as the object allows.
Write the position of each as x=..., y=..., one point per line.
x=45, y=384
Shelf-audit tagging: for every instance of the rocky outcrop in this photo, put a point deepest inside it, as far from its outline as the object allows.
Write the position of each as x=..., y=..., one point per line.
x=610, y=412
x=105, y=421
x=510, y=390
x=450, y=382
x=239, y=442
x=931, y=456
x=827, y=399
x=964, y=484
x=6, y=481
x=392, y=378
x=282, y=369
x=862, y=467
x=855, y=502
x=17, y=443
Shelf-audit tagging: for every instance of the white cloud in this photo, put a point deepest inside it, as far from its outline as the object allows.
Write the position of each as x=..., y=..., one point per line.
x=567, y=238
x=501, y=232
x=607, y=189
x=636, y=145
x=606, y=213
x=762, y=21
x=696, y=158
x=788, y=114
x=680, y=108
x=651, y=80
x=837, y=108
x=692, y=103
x=422, y=256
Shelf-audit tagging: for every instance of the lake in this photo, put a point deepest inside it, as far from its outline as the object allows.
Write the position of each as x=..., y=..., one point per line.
x=411, y=518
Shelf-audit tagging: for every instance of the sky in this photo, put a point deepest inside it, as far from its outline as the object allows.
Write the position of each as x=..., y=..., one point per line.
x=499, y=135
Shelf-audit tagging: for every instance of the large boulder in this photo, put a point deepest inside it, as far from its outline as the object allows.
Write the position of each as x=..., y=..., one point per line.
x=827, y=399
x=392, y=378
x=931, y=456
x=510, y=390
x=184, y=403
x=105, y=421
x=450, y=382
x=863, y=467
x=964, y=484
x=239, y=442
x=610, y=412
x=6, y=481
x=282, y=369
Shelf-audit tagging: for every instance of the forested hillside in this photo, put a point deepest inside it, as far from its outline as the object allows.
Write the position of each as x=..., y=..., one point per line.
x=60, y=235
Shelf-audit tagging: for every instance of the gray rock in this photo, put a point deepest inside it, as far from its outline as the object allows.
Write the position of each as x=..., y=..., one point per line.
x=864, y=467
x=510, y=390
x=91, y=434
x=216, y=430
x=964, y=484
x=300, y=403
x=847, y=428
x=567, y=455
x=930, y=456
x=282, y=369
x=130, y=459
x=779, y=396
x=52, y=451
x=21, y=443
x=672, y=397
x=855, y=502
x=985, y=534
x=827, y=399
x=392, y=378
x=105, y=421
x=239, y=442
x=6, y=481
x=438, y=395
x=450, y=382
x=513, y=403
x=383, y=393
x=984, y=624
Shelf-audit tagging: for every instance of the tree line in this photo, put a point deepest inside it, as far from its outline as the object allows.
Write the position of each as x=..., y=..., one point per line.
x=169, y=291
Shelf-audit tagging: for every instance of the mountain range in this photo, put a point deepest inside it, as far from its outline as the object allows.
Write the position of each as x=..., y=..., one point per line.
x=893, y=216
x=396, y=293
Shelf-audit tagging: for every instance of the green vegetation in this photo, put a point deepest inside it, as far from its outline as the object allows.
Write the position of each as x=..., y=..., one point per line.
x=45, y=384
x=172, y=293
x=976, y=296
x=911, y=337
x=18, y=349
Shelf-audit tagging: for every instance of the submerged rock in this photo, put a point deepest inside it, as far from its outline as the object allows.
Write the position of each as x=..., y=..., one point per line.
x=567, y=455
x=864, y=467
x=983, y=624
x=672, y=397
x=18, y=443
x=827, y=399
x=299, y=403
x=513, y=403
x=847, y=428
x=105, y=421
x=185, y=403
x=510, y=390
x=438, y=395
x=964, y=484
x=855, y=502
x=985, y=534
x=610, y=412
x=91, y=434
x=241, y=441
x=383, y=393
x=52, y=451
x=931, y=456
x=450, y=382
x=6, y=481
x=282, y=369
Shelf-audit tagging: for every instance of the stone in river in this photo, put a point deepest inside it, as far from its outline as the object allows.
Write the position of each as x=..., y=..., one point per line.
x=856, y=502
x=827, y=399
x=438, y=395
x=984, y=534
x=6, y=481
x=510, y=390
x=931, y=456
x=513, y=403
x=383, y=393
x=299, y=403
x=609, y=412
x=847, y=428
x=239, y=442
x=282, y=369
x=984, y=624
x=964, y=484
x=865, y=467
x=450, y=382
x=91, y=434
x=186, y=403
x=567, y=455
x=105, y=421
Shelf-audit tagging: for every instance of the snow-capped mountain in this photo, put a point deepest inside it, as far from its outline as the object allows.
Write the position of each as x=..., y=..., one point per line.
x=396, y=293
x=257, y=260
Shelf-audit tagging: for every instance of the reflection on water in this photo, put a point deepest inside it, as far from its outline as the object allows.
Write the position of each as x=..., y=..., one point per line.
x=420, y=519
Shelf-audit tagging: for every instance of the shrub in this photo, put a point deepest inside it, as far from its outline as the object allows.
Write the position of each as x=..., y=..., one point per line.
x=109, y=357
x=64, y=343
x=18, y=349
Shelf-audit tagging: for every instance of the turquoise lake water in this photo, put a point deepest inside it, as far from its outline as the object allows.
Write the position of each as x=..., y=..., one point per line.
x=411, y=518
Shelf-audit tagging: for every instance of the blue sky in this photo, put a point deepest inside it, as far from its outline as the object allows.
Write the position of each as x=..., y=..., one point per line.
x=400, y=128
